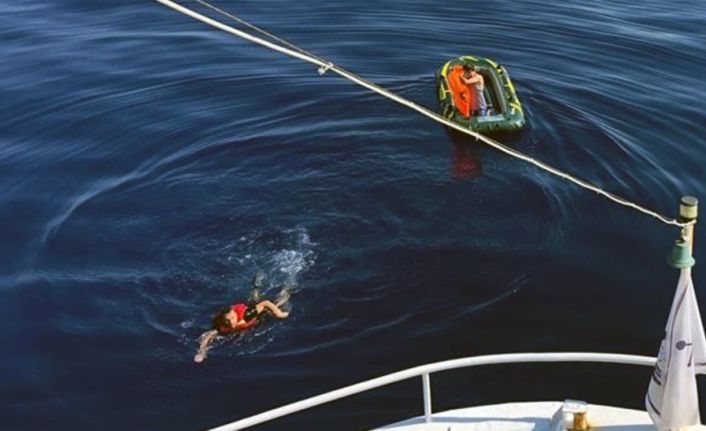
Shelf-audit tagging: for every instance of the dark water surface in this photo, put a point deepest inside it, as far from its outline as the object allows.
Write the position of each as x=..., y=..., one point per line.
x=151, y=165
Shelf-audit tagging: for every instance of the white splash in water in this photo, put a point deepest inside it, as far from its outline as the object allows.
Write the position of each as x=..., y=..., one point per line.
x=190, y=323
x=279, y=256
x=290, y=262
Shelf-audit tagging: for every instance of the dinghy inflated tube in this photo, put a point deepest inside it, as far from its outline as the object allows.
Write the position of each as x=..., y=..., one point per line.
x=459, y=103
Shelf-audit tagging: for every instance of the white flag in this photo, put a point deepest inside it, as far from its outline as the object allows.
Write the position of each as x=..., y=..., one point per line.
x=672, y=399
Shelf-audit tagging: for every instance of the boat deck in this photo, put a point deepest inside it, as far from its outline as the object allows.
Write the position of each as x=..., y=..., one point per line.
x=529, y=416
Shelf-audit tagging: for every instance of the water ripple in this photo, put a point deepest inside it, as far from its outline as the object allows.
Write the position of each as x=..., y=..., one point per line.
x=151, y=166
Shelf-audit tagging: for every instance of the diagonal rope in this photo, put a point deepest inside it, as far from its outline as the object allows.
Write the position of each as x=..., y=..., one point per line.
x=324, y=66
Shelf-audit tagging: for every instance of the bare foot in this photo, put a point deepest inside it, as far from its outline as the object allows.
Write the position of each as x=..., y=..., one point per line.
x=199, y=357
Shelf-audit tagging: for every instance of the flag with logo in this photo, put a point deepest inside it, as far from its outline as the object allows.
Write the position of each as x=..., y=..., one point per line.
x=672, y=399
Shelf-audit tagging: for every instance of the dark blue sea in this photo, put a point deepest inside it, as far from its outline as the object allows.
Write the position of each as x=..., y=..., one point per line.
x=150, y=166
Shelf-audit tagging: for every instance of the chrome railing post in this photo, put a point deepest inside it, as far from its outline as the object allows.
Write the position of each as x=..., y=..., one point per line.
x=426, y=390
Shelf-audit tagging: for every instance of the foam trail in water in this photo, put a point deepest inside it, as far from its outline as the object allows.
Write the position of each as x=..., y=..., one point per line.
x=273, y=262
x=288, y=263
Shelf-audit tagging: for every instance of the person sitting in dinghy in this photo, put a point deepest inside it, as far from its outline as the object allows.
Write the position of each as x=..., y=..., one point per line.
x=475, y=82
x=239, y=317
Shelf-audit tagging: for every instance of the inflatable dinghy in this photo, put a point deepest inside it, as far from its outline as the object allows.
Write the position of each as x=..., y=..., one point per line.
x=496, y=109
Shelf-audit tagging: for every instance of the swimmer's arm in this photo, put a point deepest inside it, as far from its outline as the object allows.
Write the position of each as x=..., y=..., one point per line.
x=475, y=80
x=206, y=340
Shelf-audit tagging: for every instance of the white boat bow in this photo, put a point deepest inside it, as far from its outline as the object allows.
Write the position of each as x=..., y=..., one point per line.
x=538, y=416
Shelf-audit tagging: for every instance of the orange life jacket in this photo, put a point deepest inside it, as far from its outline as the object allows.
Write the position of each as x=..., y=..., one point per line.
x=464, y=99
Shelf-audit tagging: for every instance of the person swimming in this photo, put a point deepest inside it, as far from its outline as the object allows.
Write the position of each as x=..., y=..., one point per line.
x=239, y=317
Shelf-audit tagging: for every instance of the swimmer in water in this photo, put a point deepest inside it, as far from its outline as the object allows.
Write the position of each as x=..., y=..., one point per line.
x=239, y=317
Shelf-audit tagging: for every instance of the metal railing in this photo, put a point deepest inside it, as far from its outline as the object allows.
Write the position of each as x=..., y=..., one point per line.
x=425, y=371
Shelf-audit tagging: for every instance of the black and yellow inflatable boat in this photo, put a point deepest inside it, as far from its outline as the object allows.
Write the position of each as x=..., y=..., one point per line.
x=503, y=110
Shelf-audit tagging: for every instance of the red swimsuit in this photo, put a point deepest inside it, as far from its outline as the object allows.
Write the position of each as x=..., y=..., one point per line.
x=240, y=310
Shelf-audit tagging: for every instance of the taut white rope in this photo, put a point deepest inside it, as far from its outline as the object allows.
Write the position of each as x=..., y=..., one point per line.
x=324, y=66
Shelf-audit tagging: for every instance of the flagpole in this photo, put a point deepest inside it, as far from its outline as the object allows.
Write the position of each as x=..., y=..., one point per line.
x=672, y=399
x=688, y=211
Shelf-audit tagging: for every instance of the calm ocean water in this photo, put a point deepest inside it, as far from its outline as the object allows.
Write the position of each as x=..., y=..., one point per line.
x=150, y=166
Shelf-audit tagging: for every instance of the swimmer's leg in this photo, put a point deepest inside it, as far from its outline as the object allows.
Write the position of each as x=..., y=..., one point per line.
x=206, y=340
x=272, y=308
x=283, y=297
x=256, y=285
x=254, y=296
x=258, y=280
